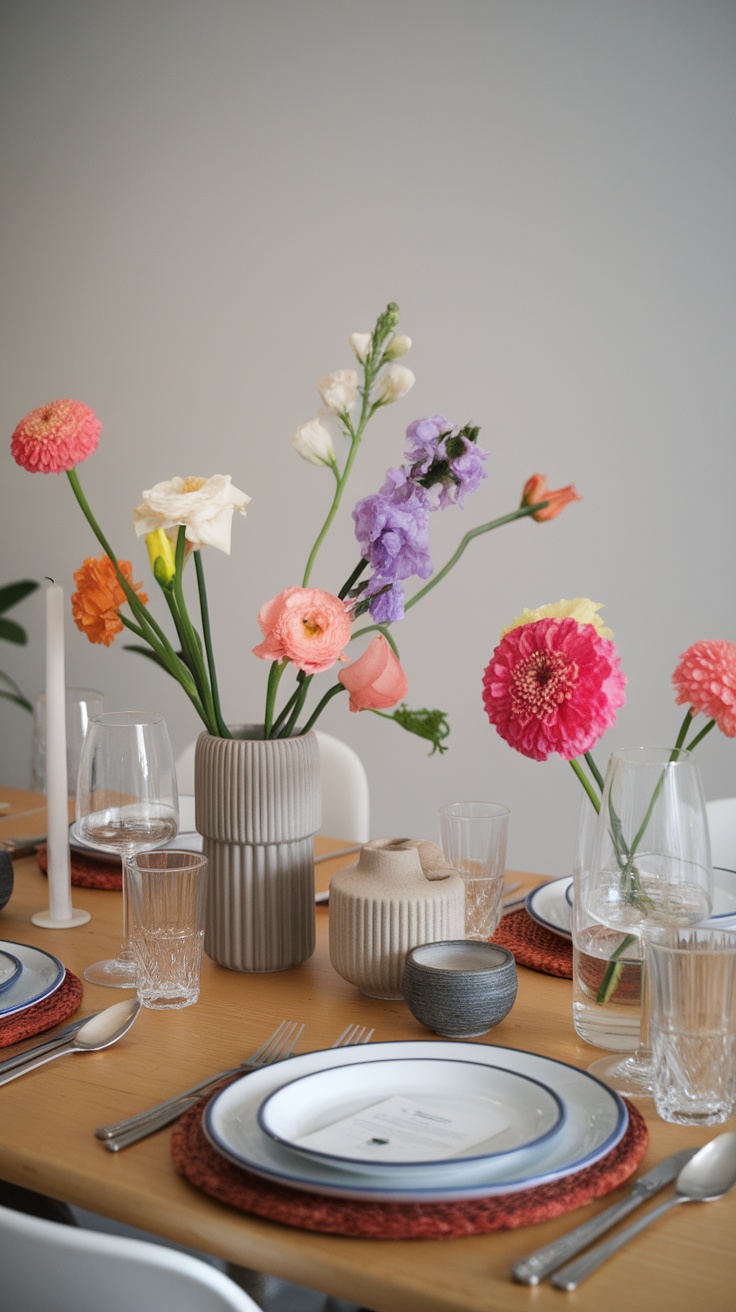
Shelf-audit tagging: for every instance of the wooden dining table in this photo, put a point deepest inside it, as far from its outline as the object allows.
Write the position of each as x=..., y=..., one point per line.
x=47, y=1119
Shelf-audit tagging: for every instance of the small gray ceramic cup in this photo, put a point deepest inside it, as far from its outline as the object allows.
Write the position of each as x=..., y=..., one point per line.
x=460, y=988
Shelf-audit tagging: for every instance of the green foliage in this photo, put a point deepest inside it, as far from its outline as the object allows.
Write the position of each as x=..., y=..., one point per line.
x=10, y=631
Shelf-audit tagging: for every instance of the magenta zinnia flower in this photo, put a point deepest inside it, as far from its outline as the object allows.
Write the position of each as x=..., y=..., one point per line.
x=55, y=437
x=553, y=686
x=705, y=680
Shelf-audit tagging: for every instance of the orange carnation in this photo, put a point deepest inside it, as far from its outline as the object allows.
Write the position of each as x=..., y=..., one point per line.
x=95, y=604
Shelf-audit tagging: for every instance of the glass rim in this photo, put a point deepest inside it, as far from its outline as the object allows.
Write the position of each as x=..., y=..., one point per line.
x=493, y=810
x=170, y=860
x=701, y=939
x=653, y=755
x=126, y=719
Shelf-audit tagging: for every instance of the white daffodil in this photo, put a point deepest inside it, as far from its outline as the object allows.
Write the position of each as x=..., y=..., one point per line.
x=397, y=347
x=361, y=344
x=314, y=443
x=394, y=384
x=204, y=506
x=339, y=391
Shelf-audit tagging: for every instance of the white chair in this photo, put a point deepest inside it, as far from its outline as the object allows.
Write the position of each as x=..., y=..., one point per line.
x=49, y=1267
x=722, y=826
x=345, y=792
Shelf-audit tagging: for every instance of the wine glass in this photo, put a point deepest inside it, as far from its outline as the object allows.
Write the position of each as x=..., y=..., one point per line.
x=127, y=801
x=650, y=864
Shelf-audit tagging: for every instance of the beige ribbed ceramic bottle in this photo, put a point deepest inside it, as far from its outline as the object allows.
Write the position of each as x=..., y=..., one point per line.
x=399, y=894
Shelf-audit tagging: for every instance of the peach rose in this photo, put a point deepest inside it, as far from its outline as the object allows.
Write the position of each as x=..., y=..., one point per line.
x=306, y=626
x=376, y=680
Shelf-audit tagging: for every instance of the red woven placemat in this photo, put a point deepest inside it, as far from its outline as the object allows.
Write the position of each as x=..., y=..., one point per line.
x=533, y=945
x=88, y=872
x=194, y=1158
x=59, y=1006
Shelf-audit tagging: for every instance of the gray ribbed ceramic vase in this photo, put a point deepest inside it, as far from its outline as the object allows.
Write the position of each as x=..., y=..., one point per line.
x=258, y=806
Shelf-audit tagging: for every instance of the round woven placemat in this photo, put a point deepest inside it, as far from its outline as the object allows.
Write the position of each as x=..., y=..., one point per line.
x=196, y=1159
x=59, y=1006
x=88, y=872
x=533, y=945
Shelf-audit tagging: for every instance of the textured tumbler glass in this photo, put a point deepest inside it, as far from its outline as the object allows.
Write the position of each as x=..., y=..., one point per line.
x=473, y=837
x=166, y=912
x=692, y=1022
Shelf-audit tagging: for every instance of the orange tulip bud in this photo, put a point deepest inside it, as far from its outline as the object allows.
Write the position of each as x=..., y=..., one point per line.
x=536, y=490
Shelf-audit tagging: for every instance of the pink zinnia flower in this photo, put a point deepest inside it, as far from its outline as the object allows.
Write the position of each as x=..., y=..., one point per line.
x=376, y=680
x=553, y=686
x=306, y=626
x=705, y=680
x=55, y=437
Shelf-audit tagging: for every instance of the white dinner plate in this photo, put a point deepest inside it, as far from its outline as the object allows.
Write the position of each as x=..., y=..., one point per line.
x=596, y=1121
x=10, y=968
x=502, y=1110
x=551, y=904
x=187, y=840
x=40, y=976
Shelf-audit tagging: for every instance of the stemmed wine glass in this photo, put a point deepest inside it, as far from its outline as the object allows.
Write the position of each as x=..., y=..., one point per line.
x=650, y=864
x=127, y=801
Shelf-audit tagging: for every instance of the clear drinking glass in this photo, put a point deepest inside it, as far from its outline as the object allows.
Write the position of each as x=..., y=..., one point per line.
x=166, y=912
x=473, y=838
x=81, y=705
x=127, y=801
x=650, y=865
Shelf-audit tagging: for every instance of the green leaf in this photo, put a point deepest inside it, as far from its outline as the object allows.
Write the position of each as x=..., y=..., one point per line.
x=152, y=655
x=12, y=593
x=13, y=632
x=19, y=701
x=430, y=724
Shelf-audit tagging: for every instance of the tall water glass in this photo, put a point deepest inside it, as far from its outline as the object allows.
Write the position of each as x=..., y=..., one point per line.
x=473, y=837
x=127, y=802
x=166, y=907
x=81, y=705
x=650, y=864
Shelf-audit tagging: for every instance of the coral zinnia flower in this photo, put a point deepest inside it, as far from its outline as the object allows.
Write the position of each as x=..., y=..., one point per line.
x=376, y=680
x=304, y=625
x=535, y=489
x=95, y=604
x=553, y=686
x=705, y=680
x=55, y=437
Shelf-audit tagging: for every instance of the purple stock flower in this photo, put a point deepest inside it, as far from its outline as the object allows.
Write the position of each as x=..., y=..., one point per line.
x=442, y=456
x=394, y=534
x=385, y=606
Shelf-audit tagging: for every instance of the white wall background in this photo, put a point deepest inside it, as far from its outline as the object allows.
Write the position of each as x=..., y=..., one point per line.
x=202, y=199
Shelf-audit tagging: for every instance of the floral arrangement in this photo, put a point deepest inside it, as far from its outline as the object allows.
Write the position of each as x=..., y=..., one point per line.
x=306, y=629
x=554, y=684
x=11, y=631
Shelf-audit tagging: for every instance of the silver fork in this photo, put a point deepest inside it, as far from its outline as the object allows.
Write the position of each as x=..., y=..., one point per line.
x=353, y=1035
x=121, y=1134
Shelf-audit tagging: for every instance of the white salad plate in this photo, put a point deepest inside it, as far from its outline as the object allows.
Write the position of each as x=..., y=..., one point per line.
x=40, y=975
x=551, y=904
x=10, y=968
x=596, y=1121
x=187, y=840
x=435, y=1106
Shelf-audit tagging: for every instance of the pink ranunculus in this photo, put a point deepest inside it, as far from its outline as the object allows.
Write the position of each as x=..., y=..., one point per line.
x=376, y=680
x=55, y=437
x=306, y=626
x=553, y=686
x=705, y=680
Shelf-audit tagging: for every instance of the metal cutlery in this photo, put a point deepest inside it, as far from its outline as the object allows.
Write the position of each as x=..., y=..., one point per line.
x=55, y=1041
x=97, y=1032
x=530, y=1270
x=123, y=1133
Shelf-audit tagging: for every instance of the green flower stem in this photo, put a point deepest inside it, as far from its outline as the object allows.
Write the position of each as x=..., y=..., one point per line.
x=699, y=736
x=136, y=605
x=296, y=709
x=585, y=781
x=594, y=770
x=224, y=732
x=180, y=673
x=682, y=735
x=190, y=639
x=344, y=590
x=287, y=709
x=331, y=692
x=274, y=677
x=613, y=972
x=522, y=513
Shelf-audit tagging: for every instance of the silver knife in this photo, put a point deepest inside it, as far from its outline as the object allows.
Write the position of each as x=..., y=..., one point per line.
x=530, y=1270
x=48, y=1045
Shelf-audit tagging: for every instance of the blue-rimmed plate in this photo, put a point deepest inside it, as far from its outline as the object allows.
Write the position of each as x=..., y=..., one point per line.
x=551, y=904
x=10, y=968
x=504, y=1111
x=596, y=1121
x=39, y=977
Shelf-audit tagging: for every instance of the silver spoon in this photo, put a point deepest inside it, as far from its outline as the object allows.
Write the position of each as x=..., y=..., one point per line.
x=99, y=1031
x=708, y=1175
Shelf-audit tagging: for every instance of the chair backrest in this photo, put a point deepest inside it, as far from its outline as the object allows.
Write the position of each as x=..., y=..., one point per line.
x=722, y=826
x=345, y=792
x=49, y=1267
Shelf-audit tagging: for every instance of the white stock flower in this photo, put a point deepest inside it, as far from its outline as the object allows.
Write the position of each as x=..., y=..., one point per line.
x=339, y=391
x=394, y=384
x=397, y=347
x=204, y=506
x=361, y=344
x=313, y=442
